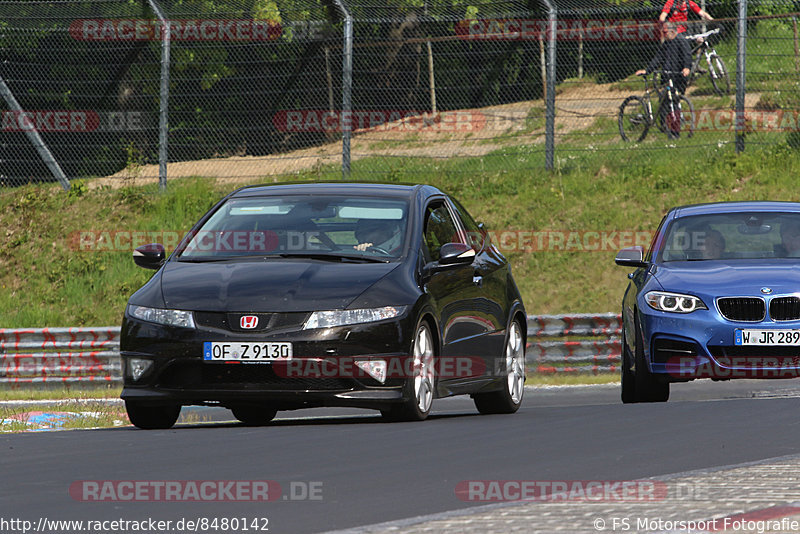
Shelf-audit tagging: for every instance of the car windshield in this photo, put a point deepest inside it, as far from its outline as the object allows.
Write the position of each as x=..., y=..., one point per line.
x=733, y=236
x=325, y=227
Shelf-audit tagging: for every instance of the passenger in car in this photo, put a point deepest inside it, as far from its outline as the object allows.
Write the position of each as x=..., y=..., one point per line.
x=790, y=240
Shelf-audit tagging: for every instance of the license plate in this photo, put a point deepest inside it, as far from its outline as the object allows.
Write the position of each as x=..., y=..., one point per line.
x=786, y=338
x=246, y=352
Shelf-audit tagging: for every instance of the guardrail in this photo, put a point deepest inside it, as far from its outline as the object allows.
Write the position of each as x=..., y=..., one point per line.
x=67, y=355
x=550, y=349
x=91, y=354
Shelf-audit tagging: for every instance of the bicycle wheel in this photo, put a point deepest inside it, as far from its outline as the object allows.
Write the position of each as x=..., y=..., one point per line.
x=719, y=76
x=662, y=113
x=693, y=74
x=678, y=120
x=633, y=119
x=686, y=110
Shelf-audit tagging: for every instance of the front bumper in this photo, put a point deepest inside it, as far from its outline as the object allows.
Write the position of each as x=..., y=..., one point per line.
x=322, y=372
x=700, y=344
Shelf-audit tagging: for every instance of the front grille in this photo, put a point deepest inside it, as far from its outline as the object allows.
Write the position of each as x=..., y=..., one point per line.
x=672, y=351
x=785, y=308
x=267, y=322
x=750, y=309
x=200, y=375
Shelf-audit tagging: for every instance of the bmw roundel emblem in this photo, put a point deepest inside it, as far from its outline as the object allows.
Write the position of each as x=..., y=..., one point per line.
x=766, y=290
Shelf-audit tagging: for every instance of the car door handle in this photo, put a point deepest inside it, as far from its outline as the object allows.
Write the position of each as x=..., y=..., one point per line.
x=477, y=280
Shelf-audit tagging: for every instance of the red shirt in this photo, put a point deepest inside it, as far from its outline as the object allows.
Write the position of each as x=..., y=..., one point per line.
x=681, y=12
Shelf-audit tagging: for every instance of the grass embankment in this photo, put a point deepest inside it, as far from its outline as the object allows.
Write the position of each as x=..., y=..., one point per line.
x=48, y=280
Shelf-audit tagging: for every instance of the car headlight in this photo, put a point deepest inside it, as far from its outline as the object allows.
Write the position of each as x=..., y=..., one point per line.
x=167, y=317
x=674, y=302
x=328, y=319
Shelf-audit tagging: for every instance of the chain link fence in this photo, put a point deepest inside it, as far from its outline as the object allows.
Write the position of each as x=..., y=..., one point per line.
x=136, y=91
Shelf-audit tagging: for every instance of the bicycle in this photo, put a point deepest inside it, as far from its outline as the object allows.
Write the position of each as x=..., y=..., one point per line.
x=675, y=112
x=716, y=67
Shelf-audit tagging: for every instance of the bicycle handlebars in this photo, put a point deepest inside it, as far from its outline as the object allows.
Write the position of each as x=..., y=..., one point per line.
x=702, y=35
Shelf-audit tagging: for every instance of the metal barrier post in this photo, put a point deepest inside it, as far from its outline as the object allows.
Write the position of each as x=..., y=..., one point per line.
x=163, y=118
x=347, y=89
x=741, y=48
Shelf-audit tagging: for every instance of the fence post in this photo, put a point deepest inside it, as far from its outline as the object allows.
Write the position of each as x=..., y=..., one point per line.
x=796, y=51
x=431, y=78
x=163, y=104
x=550, y=93
x=347, y=88
x=35, y=139
x=741, y=47
x=543, y=65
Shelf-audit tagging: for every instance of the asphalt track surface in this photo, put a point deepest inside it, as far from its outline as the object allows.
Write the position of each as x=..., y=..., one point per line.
x=365, y=471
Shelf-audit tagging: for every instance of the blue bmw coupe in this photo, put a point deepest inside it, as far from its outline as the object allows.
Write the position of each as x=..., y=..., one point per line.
x=716, y=296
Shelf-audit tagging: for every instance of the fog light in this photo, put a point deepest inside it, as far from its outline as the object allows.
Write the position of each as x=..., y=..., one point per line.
x=138, y=366
x=374, y=368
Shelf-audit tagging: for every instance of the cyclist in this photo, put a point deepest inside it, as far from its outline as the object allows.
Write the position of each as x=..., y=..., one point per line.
x=674, y=57
x=677, y=11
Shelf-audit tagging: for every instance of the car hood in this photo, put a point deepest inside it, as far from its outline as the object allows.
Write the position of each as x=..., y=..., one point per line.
x=267, y=286
x=730, y=278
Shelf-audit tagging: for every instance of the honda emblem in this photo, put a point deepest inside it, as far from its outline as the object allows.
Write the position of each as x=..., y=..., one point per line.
x=248, y=322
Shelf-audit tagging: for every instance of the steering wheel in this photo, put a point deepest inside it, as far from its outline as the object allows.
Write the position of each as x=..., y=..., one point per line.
x=379, y=250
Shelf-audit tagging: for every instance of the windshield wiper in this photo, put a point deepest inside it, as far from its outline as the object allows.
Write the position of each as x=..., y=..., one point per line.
x=205, y=259
x=286, y=255
x=333, y=257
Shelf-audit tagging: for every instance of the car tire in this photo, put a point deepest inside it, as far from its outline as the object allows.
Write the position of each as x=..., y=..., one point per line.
x=152, y=417
x=628, y=378
x=254, y=415
x=419, y=389
x=648, y=387
x=509, y=398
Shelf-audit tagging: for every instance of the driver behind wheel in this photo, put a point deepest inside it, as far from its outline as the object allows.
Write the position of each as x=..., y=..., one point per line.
x=380, y=234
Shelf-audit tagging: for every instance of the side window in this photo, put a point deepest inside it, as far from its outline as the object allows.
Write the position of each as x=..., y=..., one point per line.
x=439, y=228
x=475, y=236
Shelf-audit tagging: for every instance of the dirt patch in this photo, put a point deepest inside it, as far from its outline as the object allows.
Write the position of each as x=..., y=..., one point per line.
x=461, y=133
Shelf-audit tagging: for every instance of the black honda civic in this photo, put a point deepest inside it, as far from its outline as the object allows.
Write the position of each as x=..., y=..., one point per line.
x=290, y=296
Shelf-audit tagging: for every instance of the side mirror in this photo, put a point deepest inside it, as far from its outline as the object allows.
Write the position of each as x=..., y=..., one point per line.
x=150, y=256
x=453, y=253
x=631, y=257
